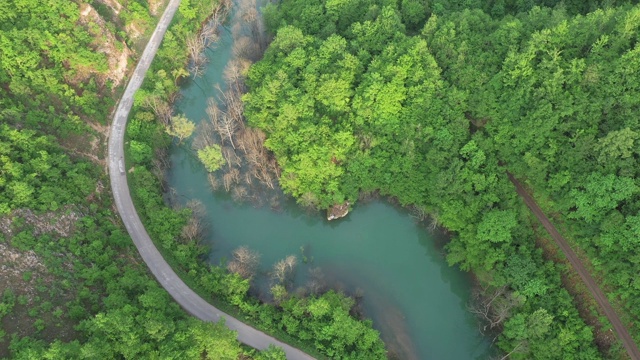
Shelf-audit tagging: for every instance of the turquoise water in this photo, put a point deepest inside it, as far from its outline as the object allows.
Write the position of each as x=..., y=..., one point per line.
x=378, y=251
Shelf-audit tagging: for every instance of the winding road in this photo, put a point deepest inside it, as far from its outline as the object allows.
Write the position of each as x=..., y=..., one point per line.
x=201, y=309
x=602, y=300
x=186, y=297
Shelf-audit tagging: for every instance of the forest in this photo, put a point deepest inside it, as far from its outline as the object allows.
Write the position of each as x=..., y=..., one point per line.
x=72, y=284
x=325, y=324
x=428, y=102
x=431, y=103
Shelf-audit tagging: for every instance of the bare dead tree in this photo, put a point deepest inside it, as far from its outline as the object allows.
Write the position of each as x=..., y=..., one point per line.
x=229, y=154
x=262, y=165
x=250, y=140
x=251, y=23
x=221, y=11
x=210, y=34
x=172, y=196
x=237, y=29
x=418, y=213
x=173, y=97
x=160, y=108
x=273, y=166
x=224, y=125
x=291, y=261
x=248, y=179
x=227, y=181
x=197, y=43
x=194, y=229
x=248, y=11
x=234, y=108
x=481, y=305
x=434, y=221
x=235, y=73
x=258, y=32
x=284, y=269
x=264, y=176
x=239, y=193
x=213, y=110
x=160, y=163
x=244, y=262
x=521, y=347
x=197, y=208
x=232, y=177
x=316, y=283
x=205, y=136
x=246, y=48
x=274, y=203
x=213, y=182
x=195, y=47
x=493, y=305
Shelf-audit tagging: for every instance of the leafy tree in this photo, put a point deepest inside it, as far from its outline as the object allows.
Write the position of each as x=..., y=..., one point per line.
x=211, y=157
x=272, y=353
x=180, y=127
x=141, y=153
x=600, y=195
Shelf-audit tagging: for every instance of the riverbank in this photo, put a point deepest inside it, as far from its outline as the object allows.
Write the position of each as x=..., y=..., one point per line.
x=166, y=228
x=356, y=101
x=378, y=249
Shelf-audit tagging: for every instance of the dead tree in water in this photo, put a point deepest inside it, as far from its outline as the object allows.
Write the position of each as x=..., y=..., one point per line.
x=244, y=47
x=223, y=124
x=194, y=229
x=245, y=262
x=213, y=182
x=205, y=136
x=233, y=160
x=221, y=10
x=197, y=43
x=284, y=269
x=231, y=178
x=196, y=46
x=262, y=165
x=235, y=73
x=243, y=148
x=316, y=283
x=210, y=33
x=234, y=108
x=239, y=193
x=252, y=23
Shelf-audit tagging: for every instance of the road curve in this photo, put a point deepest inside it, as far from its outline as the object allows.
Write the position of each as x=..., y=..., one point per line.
x=186, y=297
x=602, y=300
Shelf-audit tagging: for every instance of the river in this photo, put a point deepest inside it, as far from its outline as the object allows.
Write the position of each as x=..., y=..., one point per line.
x=378, y=251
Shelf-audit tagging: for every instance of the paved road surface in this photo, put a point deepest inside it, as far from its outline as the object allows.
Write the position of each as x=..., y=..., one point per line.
x=602, y=300
x=186, y=297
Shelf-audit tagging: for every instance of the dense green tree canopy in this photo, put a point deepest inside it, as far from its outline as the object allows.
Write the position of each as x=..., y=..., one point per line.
x=92, y=287
x=35, y=173
x=431, y=102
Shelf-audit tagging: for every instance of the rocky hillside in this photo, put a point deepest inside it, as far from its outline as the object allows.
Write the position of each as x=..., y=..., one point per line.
x=62, y=62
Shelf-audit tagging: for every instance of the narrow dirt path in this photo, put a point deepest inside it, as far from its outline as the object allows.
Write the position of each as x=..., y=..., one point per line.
x=187, y=298
x=602, y=300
